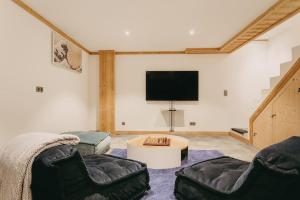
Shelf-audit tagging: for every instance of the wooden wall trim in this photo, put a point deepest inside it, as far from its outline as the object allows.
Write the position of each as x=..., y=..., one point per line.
x=186, y=133
x=94, y=53
x=107, y=91
x=49, y=24
x=148, y=52
x=278, y=13
x=287, y=77
x=203, y=51
x=187, y=51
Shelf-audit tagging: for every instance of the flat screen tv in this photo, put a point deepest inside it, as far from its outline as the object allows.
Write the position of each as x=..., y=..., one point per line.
x=172, y=85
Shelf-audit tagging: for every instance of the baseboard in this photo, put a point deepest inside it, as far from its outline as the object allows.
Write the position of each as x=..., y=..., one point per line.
x=239, y=137
x=186, y=133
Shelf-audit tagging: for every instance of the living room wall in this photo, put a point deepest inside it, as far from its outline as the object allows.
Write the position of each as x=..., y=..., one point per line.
x=26, y=63
x=70, y=100
x=241, y=73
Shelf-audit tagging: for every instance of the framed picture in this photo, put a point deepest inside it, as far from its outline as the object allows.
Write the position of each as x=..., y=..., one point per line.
x=66, y=54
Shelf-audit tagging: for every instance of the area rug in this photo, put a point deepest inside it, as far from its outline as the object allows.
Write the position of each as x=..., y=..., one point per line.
x=162, y=181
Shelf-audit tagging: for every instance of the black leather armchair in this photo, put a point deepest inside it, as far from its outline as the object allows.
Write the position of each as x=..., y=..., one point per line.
x=61, y=173
x=274, y=174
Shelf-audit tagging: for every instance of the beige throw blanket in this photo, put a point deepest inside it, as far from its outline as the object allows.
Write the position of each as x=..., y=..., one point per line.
x=16, y=159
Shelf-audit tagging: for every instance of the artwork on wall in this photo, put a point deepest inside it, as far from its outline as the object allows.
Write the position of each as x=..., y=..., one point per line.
x=66, y=54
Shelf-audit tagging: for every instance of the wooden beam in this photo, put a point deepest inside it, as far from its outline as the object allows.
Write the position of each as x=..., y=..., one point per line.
x=278, y=13
x=294, y=69
x=49, y=24
x=107, y=91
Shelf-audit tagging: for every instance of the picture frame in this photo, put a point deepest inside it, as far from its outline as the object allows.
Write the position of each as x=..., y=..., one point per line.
x=66, y=54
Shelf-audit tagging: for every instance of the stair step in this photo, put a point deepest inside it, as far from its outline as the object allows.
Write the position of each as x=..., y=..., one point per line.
x=296, y=53
x=241, y=131
x=284, y=67
x=274, y=81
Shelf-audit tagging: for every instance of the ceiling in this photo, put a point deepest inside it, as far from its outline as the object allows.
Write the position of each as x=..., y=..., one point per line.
x=139, y=25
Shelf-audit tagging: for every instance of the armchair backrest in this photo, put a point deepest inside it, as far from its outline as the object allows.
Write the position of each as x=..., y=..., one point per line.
x=275, y=166
x=283, y=157
x=56, y=172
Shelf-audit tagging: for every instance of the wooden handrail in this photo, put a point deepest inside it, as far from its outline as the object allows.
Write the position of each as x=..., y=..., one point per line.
x=275, y=91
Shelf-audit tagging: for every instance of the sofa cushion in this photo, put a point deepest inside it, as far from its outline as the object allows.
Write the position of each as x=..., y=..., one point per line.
x=283, y=157
x=107, y=169
x=218, y=174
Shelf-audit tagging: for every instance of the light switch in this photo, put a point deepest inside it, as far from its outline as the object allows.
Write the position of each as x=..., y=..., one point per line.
x=39, y=89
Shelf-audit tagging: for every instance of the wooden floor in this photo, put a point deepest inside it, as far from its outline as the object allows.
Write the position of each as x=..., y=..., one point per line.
x=225, y=144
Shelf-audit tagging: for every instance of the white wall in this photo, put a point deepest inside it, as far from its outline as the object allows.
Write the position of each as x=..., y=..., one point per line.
x=241, y=73
x=281, y=41
x=94, y=91
x=70, y=100
x=244, y=73
x=25, y=49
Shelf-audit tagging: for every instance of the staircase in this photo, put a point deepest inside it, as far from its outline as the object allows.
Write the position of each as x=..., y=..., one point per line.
x=284, y=68
x=262, y=131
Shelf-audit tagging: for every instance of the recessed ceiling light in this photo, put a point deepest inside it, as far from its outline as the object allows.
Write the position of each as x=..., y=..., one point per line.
x=127, y=33
x=192, y=32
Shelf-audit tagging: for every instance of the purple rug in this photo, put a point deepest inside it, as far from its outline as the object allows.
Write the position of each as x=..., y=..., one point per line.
x=162, y=181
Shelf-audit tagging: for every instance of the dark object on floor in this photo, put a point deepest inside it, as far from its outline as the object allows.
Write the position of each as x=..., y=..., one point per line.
x=60, y=173
x=240, y=131
x=162, y=180
x=274, y=174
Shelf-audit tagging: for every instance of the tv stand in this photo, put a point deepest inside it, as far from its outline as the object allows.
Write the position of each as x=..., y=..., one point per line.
x=171, y=110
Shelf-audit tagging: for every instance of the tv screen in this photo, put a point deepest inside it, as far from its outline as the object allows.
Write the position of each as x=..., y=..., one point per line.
x=172, y=85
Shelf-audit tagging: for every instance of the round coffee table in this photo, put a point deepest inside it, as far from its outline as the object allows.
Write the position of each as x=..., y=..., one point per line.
x=158, y=157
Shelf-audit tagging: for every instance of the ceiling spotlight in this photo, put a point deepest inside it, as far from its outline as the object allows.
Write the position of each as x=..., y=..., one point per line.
x=192, y=32
x=127, y=33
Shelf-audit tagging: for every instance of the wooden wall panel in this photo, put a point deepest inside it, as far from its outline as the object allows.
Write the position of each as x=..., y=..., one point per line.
x=107, y=91
x=285, y=116
x=281, y=118
x=263, y=129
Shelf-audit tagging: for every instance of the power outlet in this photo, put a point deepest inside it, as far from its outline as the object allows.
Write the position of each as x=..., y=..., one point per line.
x=123, y=123
x=225, y=93
x=192, y=123
x=39, y=89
